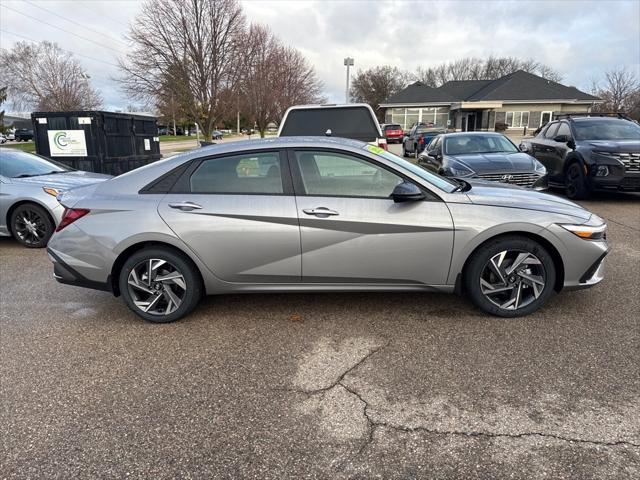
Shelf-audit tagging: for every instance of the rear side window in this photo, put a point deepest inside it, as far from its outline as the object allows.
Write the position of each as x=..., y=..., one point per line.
x=256, y=173
x=350, y=122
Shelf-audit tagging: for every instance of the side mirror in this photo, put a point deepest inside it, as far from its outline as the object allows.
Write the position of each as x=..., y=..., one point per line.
x=561, y=138
x=433, y=153
x=524, y=147
x=407, y=192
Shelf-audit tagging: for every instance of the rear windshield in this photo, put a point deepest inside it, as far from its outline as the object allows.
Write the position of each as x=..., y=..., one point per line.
x=392, y=127
x=350, y=122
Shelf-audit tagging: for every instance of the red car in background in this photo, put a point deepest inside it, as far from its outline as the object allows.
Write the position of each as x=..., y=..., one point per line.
x=392, y=132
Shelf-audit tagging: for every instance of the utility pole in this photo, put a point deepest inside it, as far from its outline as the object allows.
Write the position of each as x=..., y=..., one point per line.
x=348, y=62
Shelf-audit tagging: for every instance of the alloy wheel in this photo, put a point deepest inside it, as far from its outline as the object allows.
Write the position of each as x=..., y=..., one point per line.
x=156, y=286
x=513, y=279
x=30, y=227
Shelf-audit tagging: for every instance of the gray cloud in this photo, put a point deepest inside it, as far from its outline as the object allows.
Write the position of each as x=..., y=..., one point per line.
x=580, y=39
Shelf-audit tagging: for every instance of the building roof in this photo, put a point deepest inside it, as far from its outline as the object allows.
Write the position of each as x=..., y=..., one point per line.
x=521, y=85
x=463, y=89
x=420, y=93
x=517, y=86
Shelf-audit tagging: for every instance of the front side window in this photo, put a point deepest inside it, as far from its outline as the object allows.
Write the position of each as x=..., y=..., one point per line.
x=253, y=173
x=563, y=129
x=551, y=130
x=339, y=175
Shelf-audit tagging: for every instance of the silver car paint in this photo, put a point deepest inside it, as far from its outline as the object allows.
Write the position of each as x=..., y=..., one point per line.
x=30, y=189
x=375, y=245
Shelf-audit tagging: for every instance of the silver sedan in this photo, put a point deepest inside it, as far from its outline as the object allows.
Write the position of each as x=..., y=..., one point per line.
x=29, y=185
x=319, y=214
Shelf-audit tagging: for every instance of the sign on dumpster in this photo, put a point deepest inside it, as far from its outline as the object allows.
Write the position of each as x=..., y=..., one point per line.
x=67, y=143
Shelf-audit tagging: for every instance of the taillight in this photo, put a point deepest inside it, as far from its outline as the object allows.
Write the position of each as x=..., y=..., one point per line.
x=70, y=215
x=382, y=143
x=421, y=140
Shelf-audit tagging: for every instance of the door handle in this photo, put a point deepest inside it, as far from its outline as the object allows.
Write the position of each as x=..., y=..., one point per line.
x=185, y=206
x=322, y=212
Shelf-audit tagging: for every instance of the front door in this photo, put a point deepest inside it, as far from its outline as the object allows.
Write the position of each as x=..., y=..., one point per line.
x=238, y=214
x=353, y=232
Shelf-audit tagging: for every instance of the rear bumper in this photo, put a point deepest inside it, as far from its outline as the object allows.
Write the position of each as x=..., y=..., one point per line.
x=64, y=273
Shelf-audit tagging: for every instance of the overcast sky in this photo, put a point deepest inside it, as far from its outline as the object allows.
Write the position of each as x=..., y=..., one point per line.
x=580, y=39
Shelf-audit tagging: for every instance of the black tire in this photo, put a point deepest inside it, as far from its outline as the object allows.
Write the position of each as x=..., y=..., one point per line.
x=416, y=153
x=193, y=292
x=404, y=151
x=31, y=225
x=576, y=187
x=476, y=265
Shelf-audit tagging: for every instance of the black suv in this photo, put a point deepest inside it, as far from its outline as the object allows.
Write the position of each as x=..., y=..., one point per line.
x=23, y=135
x=587, y=153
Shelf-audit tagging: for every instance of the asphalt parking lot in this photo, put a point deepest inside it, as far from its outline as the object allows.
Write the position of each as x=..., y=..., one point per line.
x=322, y=385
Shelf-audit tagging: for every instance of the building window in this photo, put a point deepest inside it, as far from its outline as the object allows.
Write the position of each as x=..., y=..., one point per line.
x=517, y=119
x=407, y=117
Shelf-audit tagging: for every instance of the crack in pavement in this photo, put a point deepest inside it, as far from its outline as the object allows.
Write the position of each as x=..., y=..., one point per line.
x=623, y=224
x=338, y=381
x=373, y=424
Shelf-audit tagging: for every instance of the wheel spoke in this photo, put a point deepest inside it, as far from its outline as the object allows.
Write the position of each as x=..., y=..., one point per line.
x=156, y=287
x=512, y=279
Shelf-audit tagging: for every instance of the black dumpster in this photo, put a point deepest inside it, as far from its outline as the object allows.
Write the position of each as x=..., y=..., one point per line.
x=96, y=141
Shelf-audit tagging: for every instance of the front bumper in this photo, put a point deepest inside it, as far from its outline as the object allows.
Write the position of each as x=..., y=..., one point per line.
x=593, y=276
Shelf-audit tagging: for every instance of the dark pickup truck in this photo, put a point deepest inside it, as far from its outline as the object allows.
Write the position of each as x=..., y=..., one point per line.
x=419, y=137
x=23, y=135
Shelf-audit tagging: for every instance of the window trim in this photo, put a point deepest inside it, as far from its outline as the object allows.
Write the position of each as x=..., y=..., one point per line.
x=298, y=183
x=183, y=185
x=513, y=115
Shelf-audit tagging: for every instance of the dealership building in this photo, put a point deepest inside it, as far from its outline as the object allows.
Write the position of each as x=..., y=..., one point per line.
x=520, y=99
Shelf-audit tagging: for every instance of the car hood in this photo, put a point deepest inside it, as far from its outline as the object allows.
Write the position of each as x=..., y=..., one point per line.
x=496, y=162
x=505, y=195
x=63, y=181
x=615, y=146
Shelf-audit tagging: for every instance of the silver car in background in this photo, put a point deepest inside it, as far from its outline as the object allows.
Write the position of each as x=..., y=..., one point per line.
x=319, y=214
x=29, y=185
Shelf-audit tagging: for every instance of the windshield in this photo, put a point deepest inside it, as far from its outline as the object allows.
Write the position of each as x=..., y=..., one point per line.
x=436, y=180
x=606, y=130
x=16, y=164
x=469, y=144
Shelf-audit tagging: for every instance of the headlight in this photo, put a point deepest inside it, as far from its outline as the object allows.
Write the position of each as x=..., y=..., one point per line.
x=459, y=170
x=588, y=232
x=51, y=191
x=540, y=168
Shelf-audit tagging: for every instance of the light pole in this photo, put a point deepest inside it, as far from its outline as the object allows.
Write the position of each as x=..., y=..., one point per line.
x=348, y=63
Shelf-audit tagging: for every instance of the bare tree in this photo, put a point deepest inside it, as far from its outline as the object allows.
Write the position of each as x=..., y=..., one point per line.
x=44, y=77
x=620, y=92
x=375, y=85
x=471, y=68
x=192, y=47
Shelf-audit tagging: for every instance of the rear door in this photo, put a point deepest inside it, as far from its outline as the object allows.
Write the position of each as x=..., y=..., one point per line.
x=353, y=232
x=238, y=214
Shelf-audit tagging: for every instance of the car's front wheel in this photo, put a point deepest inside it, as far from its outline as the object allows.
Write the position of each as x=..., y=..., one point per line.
x=160, y=285
x=510, y=276
x=576, y=187
x=31, y=225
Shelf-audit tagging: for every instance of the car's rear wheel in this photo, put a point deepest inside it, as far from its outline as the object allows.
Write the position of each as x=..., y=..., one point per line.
x=31, y=225
x=575, y=182
x=510, y=276
x=404, y=150
x=160, y=285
